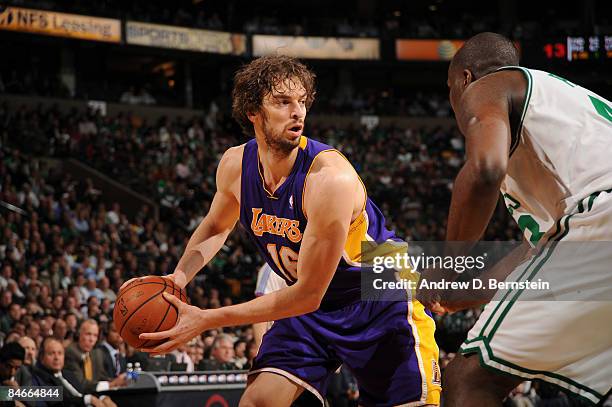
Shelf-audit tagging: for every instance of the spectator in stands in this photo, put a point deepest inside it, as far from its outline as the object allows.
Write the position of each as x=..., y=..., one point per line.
x=183, y=357
x=72, y=322
x=240, y=358
x=72, y=302
x=110, y=346
x=6, y=276
x=107, y=292
x=87, y=363
x=13, y=315
x=50, y=371
x=60, y=332
x=92, y=309
x=11, y=358
x=24, y=374
x=93, y=290
x=6, y=299
x=221, y=356
x=196, y=350
x=33, y=331
x=106, y=310
x=12, y=336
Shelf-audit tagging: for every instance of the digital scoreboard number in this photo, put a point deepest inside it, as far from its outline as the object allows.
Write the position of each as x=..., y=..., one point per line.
x=583, y=48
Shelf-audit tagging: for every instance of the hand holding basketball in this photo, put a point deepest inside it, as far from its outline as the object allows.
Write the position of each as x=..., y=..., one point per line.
x=140, y=307
x=191, y=322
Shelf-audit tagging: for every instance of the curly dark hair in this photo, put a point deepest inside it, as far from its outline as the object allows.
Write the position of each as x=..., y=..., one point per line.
x=259, y=78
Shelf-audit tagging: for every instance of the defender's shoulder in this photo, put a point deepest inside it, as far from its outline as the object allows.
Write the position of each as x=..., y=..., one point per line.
x=503, y=85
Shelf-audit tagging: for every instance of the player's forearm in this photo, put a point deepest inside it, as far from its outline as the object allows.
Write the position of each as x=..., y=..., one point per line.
x=475, y=196
x=205, y=242
x=285, y=303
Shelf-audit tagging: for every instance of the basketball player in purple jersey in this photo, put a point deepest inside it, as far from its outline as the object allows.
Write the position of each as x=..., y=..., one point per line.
x=307, y=212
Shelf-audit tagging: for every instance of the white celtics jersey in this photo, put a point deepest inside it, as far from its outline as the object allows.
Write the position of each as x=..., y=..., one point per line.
x=563, y=152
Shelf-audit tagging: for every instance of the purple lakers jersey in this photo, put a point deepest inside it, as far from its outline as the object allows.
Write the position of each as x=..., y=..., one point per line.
x=276, y=222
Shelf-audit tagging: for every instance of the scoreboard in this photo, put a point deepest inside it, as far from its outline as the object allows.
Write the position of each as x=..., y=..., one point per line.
x=582, y=48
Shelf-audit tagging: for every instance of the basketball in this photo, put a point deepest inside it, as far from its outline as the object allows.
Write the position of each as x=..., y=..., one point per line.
x=140, y=307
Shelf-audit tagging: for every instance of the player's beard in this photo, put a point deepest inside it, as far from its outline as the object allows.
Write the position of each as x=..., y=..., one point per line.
x=277, y=143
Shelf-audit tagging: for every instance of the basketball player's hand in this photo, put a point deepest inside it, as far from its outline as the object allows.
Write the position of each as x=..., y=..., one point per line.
x=178, y=277
x=433, y=302
x=430, y=298
x=189, y=325
x=433, y=306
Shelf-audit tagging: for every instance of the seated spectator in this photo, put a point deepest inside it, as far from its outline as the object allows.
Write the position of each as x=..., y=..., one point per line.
x=221, y=355
x=93, y=290
x=33, y=331
x=71, y=305
x=183, y=357
x=60, y=332
x=110, y=346
x=24, y=374
x=87, y=363
x=196, y=350
x=240, y=358
x=6, y=299
x=12, y=336
x=6, y=276
x=13, y=315
x=11, y=358
x=92, y=309
x=251, y=352
x=49, y=371
x=72, y=322
x=107, y=292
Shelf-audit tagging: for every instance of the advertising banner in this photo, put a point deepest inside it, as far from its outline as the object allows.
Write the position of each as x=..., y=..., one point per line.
x=317, y=47
x=188, y=39
x=426, y=50
x=60, y=24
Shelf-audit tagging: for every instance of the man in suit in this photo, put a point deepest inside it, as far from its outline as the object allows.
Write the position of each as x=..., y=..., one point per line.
x=87, y=363
x=221, y=356
x=24, y=374
x=48, y=372
x=114, y=361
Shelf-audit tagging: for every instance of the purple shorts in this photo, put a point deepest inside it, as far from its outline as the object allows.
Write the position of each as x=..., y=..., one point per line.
x=388, y=346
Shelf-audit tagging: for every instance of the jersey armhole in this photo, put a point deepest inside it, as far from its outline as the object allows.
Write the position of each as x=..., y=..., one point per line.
x=365, y=191
x=515, y=137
